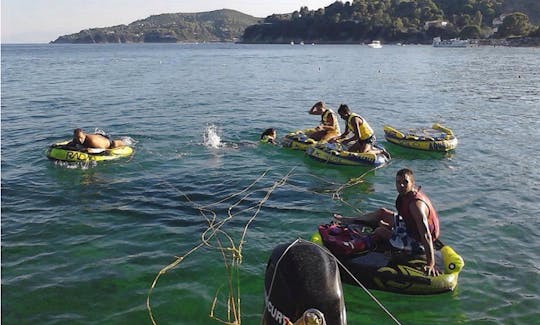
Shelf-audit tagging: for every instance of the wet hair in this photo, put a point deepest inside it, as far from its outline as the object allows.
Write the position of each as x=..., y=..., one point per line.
x=77, y=131
x=343, y=109
x=405, y=171
x=318, y=104
x=266, y=132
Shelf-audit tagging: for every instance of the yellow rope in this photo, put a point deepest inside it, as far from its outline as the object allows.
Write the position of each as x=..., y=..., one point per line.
x=213, y=230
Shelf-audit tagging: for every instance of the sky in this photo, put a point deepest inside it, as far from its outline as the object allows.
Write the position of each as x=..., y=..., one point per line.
x=42, y=21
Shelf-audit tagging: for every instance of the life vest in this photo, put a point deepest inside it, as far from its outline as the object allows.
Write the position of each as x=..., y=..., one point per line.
x=342, y=240
x=402, y=205
x=365, y=130
x=268, y=139
x=325, y=119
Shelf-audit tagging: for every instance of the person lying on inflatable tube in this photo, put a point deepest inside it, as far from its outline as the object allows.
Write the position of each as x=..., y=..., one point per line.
x=92, y=142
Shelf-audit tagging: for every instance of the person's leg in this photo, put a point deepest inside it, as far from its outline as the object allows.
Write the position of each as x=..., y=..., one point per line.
x=382, y=233
x=328, y=135
x=355, y=147
x=317, y=135
x=377, y=216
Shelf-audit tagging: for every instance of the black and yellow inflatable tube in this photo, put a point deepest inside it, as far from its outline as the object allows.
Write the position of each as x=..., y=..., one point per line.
x=298, y=140
x=400, y=273
x=333, y=153
x=437, y=138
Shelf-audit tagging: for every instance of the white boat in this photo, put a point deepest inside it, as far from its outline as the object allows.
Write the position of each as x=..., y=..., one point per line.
x=375, y=44
x=454, y=42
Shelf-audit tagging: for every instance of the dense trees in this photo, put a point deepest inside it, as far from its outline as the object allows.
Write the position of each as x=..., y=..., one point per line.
x=389, y=20
x=516, y=24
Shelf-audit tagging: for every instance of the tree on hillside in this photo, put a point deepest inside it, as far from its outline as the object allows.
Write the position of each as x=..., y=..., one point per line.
x=516, y=24
x=471, y=31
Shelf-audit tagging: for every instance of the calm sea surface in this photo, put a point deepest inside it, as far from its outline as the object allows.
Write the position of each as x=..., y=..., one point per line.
x=84, y=245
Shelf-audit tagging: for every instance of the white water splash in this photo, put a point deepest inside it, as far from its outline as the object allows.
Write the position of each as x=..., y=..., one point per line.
x=128, y=141
x=76, y=164
x=100, y=131
x=211, y=138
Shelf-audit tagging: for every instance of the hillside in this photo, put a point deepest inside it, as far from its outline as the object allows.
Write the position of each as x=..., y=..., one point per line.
x=214, y=26
x=403, y=21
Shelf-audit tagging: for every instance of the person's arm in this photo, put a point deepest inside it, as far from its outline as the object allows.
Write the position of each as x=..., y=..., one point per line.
x=344, y=134
x=356, y=132
x=330, y=125
x=419, y=211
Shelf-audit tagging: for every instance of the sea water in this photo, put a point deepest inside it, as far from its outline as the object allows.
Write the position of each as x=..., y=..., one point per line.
x=85, y=245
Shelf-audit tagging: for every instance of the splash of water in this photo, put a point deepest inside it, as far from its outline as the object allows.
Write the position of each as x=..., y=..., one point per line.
x=128, y=141
x=211, y=138
x=76, y=164
x=100, y=131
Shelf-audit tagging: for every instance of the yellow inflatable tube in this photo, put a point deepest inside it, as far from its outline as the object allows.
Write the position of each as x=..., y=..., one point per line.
x=60, y=151
x=436, y=138
x=299, y=140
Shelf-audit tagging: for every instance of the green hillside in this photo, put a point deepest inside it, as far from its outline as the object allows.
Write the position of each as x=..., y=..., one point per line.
x=404, y=21
x=214, y=26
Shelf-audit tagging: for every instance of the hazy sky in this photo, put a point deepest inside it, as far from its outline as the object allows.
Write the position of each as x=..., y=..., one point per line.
x=42, y=21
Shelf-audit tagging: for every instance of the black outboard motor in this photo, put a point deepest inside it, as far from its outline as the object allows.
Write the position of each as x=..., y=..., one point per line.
x=303, y=286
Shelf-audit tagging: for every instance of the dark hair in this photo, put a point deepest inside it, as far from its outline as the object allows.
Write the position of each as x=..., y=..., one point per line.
x=267, y=132
x=406, y=171
x=318, y=104
x=343, y=108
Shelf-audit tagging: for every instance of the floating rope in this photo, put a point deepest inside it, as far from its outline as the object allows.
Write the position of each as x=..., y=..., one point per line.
x=235, y=251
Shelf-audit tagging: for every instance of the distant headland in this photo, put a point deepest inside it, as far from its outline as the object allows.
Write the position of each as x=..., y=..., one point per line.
x=214, y=26
x=492, y=22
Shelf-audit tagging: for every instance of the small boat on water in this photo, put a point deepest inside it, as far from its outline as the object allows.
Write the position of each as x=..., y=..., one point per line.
x=298, y=140
x=386, y=267
x=437, y=138
x=375, y=45
x=64, y=152
x=337, y=154
x=454, y=42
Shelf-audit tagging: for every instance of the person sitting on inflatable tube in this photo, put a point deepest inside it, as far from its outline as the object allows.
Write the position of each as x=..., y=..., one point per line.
x=329, y=126
x=420, y=220
x=82, y=140
x=362, y=138
x=269, y=136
